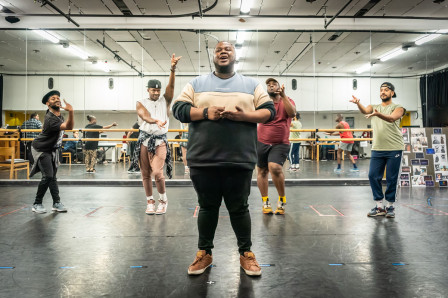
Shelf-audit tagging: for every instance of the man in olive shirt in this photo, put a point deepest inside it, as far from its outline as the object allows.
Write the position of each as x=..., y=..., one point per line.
x=387, y=148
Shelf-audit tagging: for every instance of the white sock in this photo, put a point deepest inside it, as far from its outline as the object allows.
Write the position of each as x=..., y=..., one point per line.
x=380, y=204
x=163, y=197
x=149, y=198
x=390, y=204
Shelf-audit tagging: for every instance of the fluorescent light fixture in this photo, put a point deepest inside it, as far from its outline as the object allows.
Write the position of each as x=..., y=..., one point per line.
x=246, y=5
x=426, y=38
x=104, y=66
x=392, y=54
x=240, y=37
x=47, y=36
x=364, y=68
x=78, y=52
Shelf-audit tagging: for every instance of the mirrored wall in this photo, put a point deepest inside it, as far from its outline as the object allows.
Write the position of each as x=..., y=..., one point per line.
x=104, y=73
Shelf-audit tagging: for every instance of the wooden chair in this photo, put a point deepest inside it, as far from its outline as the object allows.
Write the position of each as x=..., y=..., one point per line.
x=9, y=162
x=332, y=151
x=67, y=155
x=124, y=157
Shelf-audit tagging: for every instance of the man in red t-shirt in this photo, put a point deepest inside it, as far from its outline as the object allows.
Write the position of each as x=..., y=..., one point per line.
x=346, y=146
x=273, y=146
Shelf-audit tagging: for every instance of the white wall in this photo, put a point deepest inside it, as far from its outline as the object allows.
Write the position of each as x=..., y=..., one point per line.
x=93, y=93
x=317, y=98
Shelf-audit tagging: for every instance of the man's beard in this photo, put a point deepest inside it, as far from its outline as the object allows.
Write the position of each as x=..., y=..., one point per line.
x=272, y=94
x=225, y=68
x=55, y=107
x=386, y=99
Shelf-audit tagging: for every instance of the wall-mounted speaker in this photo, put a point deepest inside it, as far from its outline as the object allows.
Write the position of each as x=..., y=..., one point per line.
x=355, y=84
x=294, y=84
x=111, y=83
x=50, y=83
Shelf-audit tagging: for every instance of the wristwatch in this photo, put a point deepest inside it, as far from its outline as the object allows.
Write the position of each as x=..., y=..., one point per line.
x=205, y=114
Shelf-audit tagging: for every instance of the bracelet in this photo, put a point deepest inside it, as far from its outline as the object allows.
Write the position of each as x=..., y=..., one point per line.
x=205, y=114
x=173, y=68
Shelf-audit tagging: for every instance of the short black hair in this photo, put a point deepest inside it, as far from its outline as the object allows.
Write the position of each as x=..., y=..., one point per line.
x=33, y=115
x=50, y=94
x=90, y=117
x=298, y=115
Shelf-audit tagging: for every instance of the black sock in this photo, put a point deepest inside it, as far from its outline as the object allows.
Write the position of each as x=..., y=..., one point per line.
x=208, y=251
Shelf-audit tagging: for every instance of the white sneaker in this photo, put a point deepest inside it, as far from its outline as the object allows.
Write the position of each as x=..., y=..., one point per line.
x=151, y=209
x=161, y=208
x=297, y=166
x=187, y=170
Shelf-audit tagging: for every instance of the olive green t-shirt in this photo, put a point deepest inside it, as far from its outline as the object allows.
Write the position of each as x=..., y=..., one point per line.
x=295, y=134
x=386, y=135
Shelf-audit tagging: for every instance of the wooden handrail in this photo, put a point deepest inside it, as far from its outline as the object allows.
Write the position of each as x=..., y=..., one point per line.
x=334, y=130
x=345, y=139
x=312, y=140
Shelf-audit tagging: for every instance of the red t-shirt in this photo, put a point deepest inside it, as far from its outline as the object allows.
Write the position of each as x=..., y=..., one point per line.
x=276, y=131
x=346, y=134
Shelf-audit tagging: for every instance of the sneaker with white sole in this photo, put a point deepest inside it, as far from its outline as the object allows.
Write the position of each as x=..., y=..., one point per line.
x=201, y=263
x=39, y=208
x=151, y=209
x=376, y=211
x=250, y=264
x=161, y=208
x=390, y=211
x=59, y=207
x=280, y=208
x=267, y=209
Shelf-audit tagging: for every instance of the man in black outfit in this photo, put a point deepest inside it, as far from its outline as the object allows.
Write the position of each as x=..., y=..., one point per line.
x=222, y=153
x=46, y=150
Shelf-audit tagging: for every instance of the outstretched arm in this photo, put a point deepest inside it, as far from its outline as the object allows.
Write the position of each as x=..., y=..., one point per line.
x=363, y=109
x=169, y=91
x=109, y=126
x=335, y=133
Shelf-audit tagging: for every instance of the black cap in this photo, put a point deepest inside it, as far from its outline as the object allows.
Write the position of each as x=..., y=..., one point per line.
x=390, y=86
x=154, y=84
x=50, y=94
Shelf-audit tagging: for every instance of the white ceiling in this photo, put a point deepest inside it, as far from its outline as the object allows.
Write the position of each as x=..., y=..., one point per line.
x=149, y=49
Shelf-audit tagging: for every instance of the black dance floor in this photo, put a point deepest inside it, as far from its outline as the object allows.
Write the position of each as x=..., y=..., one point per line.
x=325, y=246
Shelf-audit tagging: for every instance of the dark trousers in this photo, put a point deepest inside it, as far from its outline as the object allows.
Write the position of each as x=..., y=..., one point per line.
x=294, y=157
x=48, y=169
x=380, y=160
x=28, y=153
x=214, y=184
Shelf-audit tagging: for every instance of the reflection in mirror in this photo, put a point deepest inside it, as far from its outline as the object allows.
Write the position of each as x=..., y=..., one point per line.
x=105, y=72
